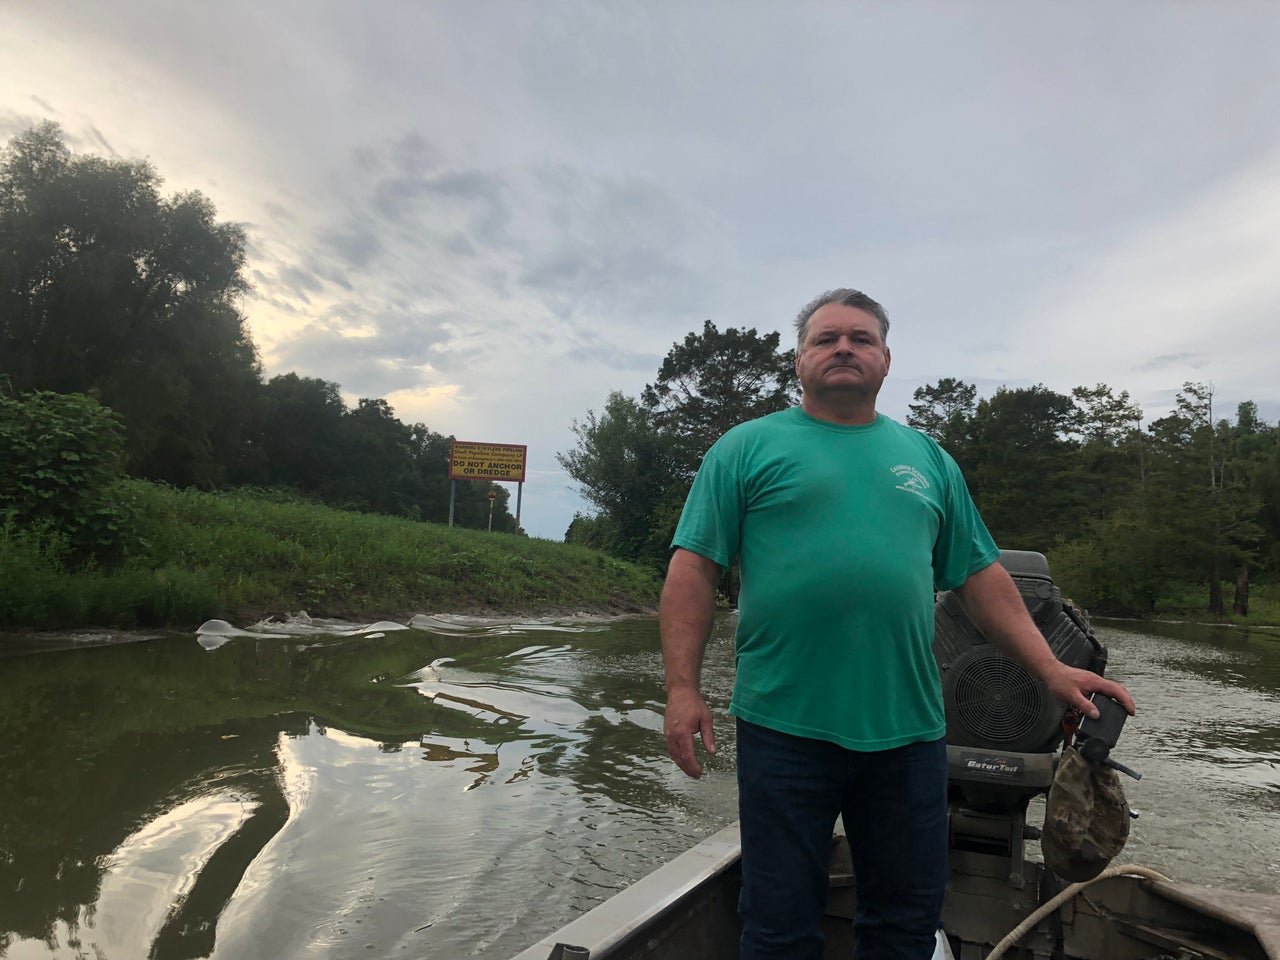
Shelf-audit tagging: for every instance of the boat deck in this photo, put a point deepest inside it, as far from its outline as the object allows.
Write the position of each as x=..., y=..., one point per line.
x=688, y=908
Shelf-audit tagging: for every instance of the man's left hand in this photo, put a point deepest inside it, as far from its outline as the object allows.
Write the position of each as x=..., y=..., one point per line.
x=1074, y=686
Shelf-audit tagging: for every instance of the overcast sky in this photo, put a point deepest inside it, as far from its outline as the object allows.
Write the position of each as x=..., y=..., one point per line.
x=494, y=212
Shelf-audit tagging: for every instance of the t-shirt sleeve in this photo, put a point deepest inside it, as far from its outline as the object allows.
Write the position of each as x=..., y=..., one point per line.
x=711, y=522
x=964, y=545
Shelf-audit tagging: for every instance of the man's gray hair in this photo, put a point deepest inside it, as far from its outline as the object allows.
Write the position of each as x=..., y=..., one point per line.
x=846, y=298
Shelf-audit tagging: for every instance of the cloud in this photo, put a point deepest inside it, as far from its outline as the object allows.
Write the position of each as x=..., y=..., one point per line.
x=591, y=349
x=101, y=142
x=401, y=351
x=497, y=216
x=1174, y=361
x=1186, y=296
x=299, y=282
x=355, y=246
x=612, y=246
x=13, y=123
x=423, y=271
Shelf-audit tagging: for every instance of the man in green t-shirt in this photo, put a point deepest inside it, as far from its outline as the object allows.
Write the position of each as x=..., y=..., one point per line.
x=843, y=523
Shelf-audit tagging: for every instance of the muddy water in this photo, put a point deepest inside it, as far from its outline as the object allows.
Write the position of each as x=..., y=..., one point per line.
x=460, y=788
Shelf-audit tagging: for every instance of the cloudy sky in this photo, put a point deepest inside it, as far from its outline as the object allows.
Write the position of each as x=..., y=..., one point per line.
x=495, y=212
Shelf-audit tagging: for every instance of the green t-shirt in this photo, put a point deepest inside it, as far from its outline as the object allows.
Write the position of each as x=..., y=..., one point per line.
x=842, y=534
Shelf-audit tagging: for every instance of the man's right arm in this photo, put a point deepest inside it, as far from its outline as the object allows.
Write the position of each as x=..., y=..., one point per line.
x=684, y=619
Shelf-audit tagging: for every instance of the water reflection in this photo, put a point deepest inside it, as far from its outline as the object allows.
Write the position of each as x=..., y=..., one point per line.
x=291, y=794
x=462, y=787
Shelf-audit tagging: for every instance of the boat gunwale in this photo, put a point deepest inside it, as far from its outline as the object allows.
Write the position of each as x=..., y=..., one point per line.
x=615, y=921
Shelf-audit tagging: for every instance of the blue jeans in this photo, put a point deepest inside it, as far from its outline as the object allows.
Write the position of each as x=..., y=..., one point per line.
x=894, y=803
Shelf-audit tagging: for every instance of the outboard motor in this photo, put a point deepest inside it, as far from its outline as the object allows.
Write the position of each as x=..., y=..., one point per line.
x=1003, y=726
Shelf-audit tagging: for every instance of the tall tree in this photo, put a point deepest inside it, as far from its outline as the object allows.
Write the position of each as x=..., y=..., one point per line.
x=300, y=431
x=1104, y=418
x=1109, y=461
x=944, y=410
x=1115, y=550
x=1252, y=449
x=1204, y=495
x=625, y=465
x=374, y=469
x=108, y=288
x=714, y=380
x=1266, y=481
x=1020, y=448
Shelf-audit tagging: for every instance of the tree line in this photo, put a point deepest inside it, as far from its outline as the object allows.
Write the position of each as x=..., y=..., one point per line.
x=635, y=460
x=127, y=299
x=110, y=289
x=1131, y=515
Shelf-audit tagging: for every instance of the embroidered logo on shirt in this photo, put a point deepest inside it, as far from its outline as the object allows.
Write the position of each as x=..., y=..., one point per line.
x=911, y=480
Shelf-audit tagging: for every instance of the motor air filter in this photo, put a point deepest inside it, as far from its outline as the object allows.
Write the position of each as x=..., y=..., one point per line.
x=991, y=700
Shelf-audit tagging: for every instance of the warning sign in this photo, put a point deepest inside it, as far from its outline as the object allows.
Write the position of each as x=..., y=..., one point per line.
x=487, y=461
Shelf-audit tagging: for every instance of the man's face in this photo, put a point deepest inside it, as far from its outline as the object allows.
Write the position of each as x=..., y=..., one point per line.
x=843, y=352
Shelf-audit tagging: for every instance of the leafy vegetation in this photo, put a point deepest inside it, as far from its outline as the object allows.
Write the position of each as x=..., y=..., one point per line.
x=123, y=352
x=714, y=380
x=635, y=460
x=1134, y=520
x=110, y=289
x=242, y=556
x=60, y=458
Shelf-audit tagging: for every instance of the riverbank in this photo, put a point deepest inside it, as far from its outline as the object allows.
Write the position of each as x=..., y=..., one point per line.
x=1190, y=608
x=243, y=557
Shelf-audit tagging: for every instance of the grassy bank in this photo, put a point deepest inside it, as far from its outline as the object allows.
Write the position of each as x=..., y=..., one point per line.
x=241, y=556
x=1264, y=606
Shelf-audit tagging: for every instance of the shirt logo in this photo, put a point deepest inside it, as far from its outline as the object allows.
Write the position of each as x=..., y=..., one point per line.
x=911, y=480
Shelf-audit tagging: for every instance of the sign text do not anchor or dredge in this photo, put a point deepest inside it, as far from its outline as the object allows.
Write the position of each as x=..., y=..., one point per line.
x=487, y=461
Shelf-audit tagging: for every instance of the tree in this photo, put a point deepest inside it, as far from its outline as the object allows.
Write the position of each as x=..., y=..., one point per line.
x=110, y=289
x=626, y=466
x=1110, y=459
x=1104, y=418
x=1266, y=482
x=300, y=430
x=60, y=459
x=597, y=532
x=374, y=470
x=714, y=380
x=431, y=453
x=635, y=460
x=1252, y=449
x=1204, y=494
x=944, y=411
x=1018, y=475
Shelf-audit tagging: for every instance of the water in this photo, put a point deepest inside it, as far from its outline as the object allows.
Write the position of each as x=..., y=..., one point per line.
x=462, y=788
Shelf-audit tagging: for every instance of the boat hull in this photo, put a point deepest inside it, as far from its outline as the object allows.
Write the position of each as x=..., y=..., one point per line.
x=688, y=908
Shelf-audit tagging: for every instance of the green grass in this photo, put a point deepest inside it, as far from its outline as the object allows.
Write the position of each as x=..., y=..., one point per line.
x=242, y=556
x=1193, y=604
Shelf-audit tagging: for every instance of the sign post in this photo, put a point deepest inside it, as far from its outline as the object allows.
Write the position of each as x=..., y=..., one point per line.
x=487, y=461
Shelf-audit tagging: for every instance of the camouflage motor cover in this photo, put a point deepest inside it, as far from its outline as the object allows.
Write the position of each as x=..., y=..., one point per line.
x=1086, y=819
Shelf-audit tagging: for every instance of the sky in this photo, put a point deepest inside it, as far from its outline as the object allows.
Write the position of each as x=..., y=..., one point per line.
x=493, y=213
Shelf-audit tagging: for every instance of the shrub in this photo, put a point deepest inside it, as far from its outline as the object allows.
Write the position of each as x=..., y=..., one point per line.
x=60, y=467
x=33, y=585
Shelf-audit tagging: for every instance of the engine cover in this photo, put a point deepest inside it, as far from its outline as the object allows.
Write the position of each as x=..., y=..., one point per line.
x=991, y=700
